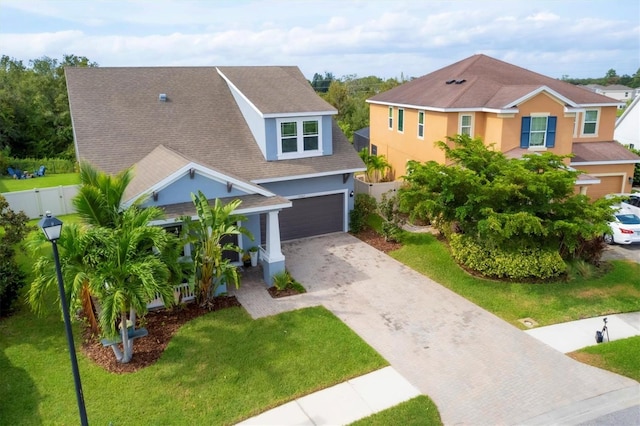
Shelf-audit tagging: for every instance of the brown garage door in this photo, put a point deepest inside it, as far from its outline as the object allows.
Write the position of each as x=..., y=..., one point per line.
x=310, y=216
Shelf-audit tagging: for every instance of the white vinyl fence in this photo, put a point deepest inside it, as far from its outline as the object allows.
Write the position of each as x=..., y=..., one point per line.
x=182, y=293
x=36, y=202
x=375, y=189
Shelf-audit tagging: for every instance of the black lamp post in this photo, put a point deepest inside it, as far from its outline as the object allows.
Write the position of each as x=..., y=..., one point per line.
x=52, y=226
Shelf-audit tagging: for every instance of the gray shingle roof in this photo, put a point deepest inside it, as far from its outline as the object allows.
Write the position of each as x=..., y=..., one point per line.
x=488, y=83
x=118, y=119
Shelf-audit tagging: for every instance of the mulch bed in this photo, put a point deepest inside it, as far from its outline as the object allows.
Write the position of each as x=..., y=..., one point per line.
x=161, y=325
x=376, y=240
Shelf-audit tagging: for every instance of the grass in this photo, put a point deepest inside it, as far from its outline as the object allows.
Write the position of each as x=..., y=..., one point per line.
x=8, y=184
x=619, y=356
x=419, y=411
x=218, y=369
x=549, y=303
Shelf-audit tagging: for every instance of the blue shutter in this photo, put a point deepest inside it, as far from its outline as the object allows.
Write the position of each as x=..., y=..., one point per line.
x=551, y=131
x=524, y=135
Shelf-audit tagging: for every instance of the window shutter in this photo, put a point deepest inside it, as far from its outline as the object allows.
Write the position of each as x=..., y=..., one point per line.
x=551, y=131
x=524, y=135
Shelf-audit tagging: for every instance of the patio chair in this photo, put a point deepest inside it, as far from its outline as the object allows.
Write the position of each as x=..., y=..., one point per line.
x=40, y=171
x=11, y=172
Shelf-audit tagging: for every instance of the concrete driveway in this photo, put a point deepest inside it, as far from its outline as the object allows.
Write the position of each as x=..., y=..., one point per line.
x=478, y=369
x=624, y=252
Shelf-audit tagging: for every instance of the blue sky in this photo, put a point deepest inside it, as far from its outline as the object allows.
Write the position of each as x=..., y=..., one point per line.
x=580, y=39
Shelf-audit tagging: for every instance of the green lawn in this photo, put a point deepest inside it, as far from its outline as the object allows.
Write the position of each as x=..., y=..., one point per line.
x=550, y=303
x=419, y=411
x=218, y=369
x=10, y=185
x=619, y=356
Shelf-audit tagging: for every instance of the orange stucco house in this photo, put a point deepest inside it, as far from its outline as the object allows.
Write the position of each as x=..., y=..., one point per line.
x=518, y=110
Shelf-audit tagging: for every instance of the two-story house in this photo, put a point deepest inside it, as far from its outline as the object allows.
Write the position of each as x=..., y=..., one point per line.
x=518, y=110
x=258, y=134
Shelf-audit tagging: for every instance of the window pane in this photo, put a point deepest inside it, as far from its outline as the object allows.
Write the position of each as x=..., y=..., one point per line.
x=288, y=129
x=310, y=143
x=466, y=121
x=589, y=128
x=310, y=127
x=536, y=139
x=289, y=144
x=400, y=119
x=591, y=116
x=539, y=124
x=421, y=117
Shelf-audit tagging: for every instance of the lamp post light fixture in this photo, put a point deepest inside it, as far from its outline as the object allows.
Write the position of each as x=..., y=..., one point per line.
x=52, y=227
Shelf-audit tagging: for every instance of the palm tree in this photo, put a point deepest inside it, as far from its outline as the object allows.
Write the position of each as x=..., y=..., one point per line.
x=73, y=245
x=99, y=200
x=207, y=233
x=128, y=270
x=377, y=166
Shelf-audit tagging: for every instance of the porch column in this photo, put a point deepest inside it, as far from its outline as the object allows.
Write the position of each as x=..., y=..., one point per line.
x=273, y=247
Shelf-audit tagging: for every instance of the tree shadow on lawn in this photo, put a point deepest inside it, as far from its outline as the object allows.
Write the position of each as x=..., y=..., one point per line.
x=19, y=395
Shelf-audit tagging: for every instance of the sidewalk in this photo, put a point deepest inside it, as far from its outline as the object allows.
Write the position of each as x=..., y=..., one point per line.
x=343, y=403
x=573, y=335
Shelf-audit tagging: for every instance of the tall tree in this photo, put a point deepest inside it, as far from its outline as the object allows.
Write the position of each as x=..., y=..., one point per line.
x=209, y=236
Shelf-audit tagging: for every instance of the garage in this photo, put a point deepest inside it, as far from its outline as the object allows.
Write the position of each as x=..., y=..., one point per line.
x=310, y=216
x=608, y=185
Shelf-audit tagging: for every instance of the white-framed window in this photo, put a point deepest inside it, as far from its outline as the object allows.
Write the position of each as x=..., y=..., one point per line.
x=400, y=120
x=465, y=126
x=421, y=124
x=390, y=118
x=590, y=122
x=299, y=137
x=538, y=131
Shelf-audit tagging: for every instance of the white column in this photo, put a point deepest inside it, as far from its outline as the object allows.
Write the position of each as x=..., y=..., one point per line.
x=273, y=246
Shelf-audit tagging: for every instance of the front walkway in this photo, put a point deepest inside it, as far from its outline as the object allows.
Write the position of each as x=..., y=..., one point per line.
x=477, y=368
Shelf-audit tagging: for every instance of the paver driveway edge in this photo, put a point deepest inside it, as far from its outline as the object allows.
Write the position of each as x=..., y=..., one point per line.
x=477, y=368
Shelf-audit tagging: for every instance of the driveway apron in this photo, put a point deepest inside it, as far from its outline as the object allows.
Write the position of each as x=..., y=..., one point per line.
x=477, y=368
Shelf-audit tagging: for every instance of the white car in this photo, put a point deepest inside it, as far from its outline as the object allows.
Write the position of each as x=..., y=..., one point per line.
x=624, y=230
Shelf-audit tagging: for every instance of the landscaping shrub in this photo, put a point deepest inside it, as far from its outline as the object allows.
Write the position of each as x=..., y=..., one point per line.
x=364, y=205
x=283, y=281
x=53, y=165
x=496, y=262
x=392, y=218
x=11, y=281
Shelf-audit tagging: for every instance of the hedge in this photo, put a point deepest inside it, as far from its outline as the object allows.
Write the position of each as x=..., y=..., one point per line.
x=497, y=263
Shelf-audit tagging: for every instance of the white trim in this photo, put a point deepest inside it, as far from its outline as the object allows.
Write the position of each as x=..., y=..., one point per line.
x=439, y=109
x=299, y=114
x=240, y=211
x=471, y=125
x=584, y=122
x=300, y=151
x=242, y=95
x=603, y=163
x=248, y=187
x=539, y=90
x=307, y=176
x=424, y=116
x=588, y=181
x=345, y=204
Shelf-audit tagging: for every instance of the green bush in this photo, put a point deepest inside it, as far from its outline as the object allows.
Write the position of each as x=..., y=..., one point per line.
x=53, y=165
x=498, y=263
x=11, y=281
x=283, y=281
x=364, y=205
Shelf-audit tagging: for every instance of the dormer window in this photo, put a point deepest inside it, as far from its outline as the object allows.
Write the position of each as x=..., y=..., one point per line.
x=299, y=138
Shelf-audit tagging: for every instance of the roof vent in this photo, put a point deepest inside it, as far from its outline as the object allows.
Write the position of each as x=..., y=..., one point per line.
x=450, y=81
x=460, y=81
x=162, y=97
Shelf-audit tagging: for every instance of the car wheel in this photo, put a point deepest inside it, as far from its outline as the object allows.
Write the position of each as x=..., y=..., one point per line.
x=608, y=239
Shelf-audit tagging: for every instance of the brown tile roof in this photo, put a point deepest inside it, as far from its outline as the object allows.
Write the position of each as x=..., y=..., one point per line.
x=489, y=83
x=587, y=152
x=118, y=120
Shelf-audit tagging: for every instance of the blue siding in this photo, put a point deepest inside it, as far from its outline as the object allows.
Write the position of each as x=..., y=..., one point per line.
x=293, y=188
x=180, y=191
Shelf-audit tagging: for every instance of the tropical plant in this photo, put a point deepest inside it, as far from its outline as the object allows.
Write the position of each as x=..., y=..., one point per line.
x=208, y=234
x=99, y=199
x=377, y=166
